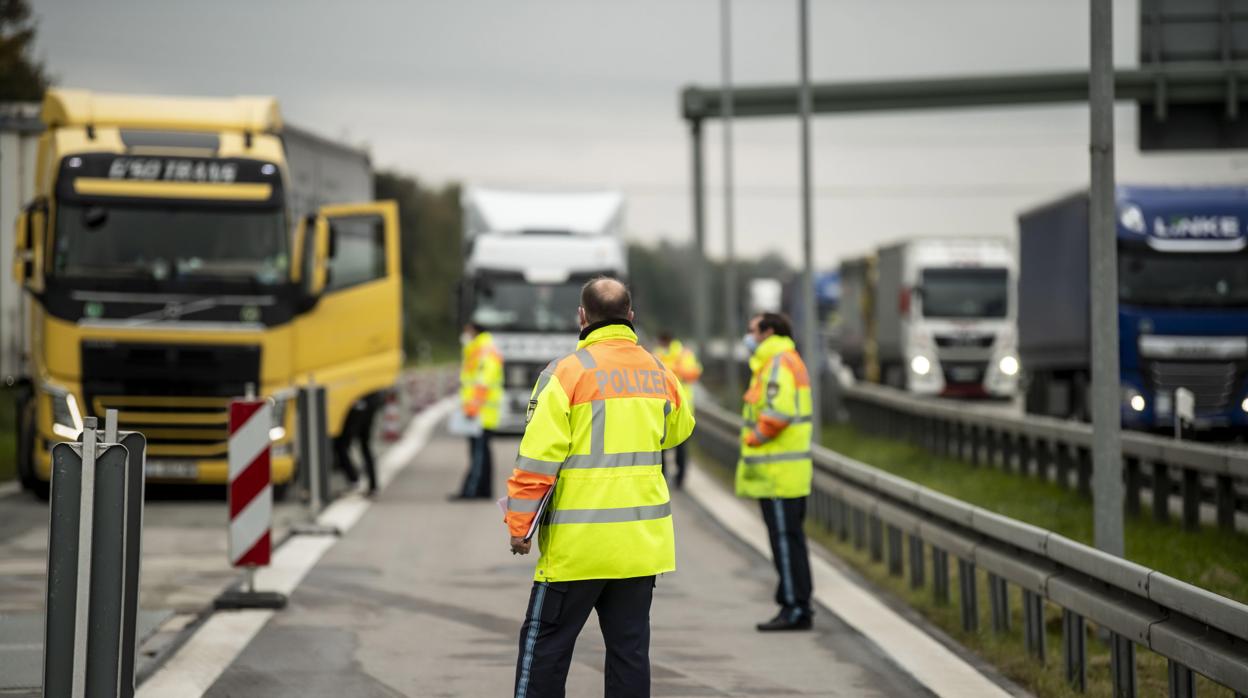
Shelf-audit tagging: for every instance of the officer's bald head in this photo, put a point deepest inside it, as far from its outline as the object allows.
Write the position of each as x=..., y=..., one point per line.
x=604, y=298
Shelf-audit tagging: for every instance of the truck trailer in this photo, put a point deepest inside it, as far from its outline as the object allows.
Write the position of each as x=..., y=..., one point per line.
x=176, y=251
x=526, y=256
x=1182, y=305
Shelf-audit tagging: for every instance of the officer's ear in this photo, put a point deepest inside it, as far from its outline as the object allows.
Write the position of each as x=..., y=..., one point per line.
x=580, y=317
x=630, y=316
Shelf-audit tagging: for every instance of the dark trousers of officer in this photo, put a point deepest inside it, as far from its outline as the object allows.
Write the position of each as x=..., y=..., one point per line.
x=682, y=459
x=358, y=429
x=479, y=480
x=557, y=612
x=784, y=519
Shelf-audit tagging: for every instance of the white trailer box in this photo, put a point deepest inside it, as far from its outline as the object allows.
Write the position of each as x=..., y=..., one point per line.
x=19, y=137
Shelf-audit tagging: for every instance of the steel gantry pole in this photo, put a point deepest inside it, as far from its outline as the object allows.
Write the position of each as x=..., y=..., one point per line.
x=700, y=308
x=814, y=354
x=731, y=321
x=1107, y=488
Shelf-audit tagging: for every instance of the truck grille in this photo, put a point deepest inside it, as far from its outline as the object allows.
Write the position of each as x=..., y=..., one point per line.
x=1213, y=383
x=976, y=341
x=965, y=373
x=177, y=395
x=521, y=374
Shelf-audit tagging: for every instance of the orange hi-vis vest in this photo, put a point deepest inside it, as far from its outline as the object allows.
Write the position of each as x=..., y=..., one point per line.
x=481, y=380
x=682, y=361
x=598, y=422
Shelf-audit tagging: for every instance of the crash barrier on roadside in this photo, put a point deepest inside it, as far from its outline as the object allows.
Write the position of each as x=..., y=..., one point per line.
x=1060, y=450
x=250, y=501
x=1198, y=632
x=315, y=457
x=94, y=551
x=425, y=386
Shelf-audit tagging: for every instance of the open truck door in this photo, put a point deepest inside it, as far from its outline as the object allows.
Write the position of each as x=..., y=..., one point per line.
x=347, y=262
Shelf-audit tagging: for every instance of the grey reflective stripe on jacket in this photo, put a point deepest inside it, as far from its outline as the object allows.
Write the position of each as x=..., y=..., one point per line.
x=620, y=515
x=775, y=457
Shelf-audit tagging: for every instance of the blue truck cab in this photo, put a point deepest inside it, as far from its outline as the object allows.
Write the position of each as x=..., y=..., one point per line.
x=1183, y=305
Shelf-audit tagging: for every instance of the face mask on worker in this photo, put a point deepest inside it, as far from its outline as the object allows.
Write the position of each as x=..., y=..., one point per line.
x=750, y=342
x=465, y=338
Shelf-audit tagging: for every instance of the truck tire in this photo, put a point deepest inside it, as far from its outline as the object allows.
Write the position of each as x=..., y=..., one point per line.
x=25, y=425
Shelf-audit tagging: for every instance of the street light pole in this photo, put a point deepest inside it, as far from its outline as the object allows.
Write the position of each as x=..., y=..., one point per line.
x=1107, y=489
x=701, y=291
x=814, y=353
x=731, y=321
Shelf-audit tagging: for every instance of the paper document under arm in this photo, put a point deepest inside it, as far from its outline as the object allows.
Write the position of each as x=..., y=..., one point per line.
x=541, y=509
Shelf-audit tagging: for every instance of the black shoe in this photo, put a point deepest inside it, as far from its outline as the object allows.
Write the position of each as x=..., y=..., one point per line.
x=787, y=619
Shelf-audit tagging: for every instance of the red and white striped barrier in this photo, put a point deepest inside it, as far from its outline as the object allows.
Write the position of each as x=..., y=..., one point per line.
x=391, y=421
x=250, y=494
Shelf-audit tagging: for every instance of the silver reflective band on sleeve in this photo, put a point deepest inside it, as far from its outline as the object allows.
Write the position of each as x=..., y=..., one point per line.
x=775, y=457
x=613, y=460
x=778, y=415
x=533, y=465
x=598, y=427
x=523, y=506
x=584, y=516
x=758, y=436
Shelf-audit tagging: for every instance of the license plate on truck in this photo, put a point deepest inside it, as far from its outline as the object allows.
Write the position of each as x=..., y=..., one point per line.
x=172, y=469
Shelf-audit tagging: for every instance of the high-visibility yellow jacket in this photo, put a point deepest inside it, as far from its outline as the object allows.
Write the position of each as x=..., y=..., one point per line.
x=481, y=380
x=598, y=422
x=776, y=429
x=683, y=363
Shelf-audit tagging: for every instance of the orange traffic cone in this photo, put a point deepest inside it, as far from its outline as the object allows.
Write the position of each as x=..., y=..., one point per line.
x=391, y=429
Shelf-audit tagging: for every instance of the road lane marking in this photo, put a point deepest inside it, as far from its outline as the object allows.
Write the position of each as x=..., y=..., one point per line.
x=914, y=651
x=193, y=669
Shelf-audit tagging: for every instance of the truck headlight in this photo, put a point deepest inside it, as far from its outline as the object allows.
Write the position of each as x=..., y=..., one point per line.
x=921, y=365
x=66, y=417
x=1134, y=399
x=1008, y=365
x=1244, y=405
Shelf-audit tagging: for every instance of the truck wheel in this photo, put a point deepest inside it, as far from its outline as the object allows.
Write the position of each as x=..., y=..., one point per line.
x=26, y=447
x=281, y=492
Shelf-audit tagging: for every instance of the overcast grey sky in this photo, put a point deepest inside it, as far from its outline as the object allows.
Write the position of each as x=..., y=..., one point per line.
x=583, y=93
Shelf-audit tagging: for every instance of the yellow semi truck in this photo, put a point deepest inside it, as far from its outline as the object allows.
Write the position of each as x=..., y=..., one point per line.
x=163, y=271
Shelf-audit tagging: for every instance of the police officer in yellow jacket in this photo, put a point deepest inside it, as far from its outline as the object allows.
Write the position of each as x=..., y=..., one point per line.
x=775, y=466
x=481, y=398
x=676, y=356
x=598, y=422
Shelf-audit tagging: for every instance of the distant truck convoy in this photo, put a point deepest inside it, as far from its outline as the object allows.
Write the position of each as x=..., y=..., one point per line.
x=932, y=316
x=1182, y=313
x=526, y=256
x=171, y=251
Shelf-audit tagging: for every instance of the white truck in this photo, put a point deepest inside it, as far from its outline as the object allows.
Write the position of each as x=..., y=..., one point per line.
x=945, y=312
x=526, y=255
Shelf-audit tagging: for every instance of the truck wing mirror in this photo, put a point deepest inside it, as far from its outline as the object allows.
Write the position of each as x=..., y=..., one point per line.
x=21, y=248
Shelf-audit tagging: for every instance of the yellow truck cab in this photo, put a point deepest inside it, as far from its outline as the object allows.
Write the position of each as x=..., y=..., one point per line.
x=164, y=273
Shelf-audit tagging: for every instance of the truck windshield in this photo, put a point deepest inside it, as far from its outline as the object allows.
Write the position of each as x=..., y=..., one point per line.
x=518, y=306
x=965, y=293
x=1148, y=277
x=149, y=242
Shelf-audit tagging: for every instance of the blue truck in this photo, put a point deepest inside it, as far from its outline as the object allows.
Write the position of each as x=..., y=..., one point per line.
x=1182, y=306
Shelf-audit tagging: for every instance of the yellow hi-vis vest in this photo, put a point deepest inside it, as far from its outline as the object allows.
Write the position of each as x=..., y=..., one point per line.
x=481, y=380
x=683, y=363
x=775, y=432
x=599, y=421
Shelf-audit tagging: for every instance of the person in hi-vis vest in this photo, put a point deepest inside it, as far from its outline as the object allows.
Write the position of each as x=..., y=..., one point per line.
x=676, y=356
x=775, y=466
x=481, y=398
x=598, y=422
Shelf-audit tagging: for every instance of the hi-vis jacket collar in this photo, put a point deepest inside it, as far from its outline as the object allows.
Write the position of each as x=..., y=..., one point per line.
x=608, y=329
x=480, y=339
x=775, y=344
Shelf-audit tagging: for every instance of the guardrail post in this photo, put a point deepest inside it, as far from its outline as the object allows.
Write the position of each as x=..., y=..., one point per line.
x=1161, y=492
x=917, y=566
x=999, y=603
x=1085, y=471
x=843, y=516
x=1008, y=449
x=312, y=430
x=1033, y=624
x=1182, y=680
x=968, y=595
x=1133, y=478
x=1191, y=498
x=945, y=437
x=860, y=528
x=1122, y=665
x=876, y=535
x=1044, y=458
x=976, y=443
x=1025, y=451
x=1075, y=649
x=992, y=446
x=940, y=576
x=1064, y=461
x=1224, y=497
x=895, y=564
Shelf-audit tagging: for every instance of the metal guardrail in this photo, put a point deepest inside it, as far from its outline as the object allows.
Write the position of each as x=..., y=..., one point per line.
x=1061, y=449
x=1195, y=630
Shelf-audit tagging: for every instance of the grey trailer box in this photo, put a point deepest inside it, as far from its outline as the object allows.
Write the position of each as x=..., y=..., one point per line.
x=889, y=280
x=323, y=172
x=1053, y=298
x=853, y=331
